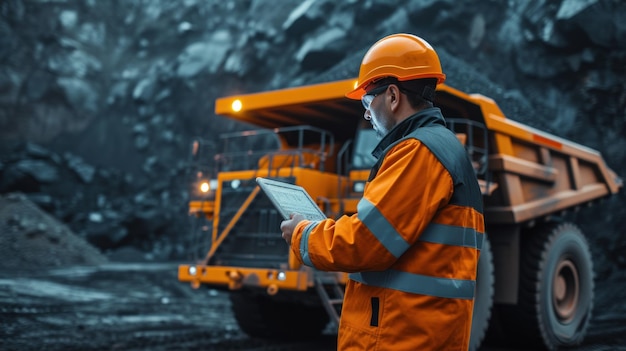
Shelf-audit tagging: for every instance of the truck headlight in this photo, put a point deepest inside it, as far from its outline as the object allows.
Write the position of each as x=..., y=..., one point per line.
x=358, y=187
x=205, y=187
x=192, y=270
x=208, y=186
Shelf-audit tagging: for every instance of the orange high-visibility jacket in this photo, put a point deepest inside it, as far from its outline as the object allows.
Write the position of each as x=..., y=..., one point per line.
x=411, y=248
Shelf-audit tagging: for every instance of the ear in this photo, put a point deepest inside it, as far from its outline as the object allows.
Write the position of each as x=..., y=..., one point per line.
x=394, y=98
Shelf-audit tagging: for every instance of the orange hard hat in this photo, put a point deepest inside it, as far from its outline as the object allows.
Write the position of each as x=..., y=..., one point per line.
x=403, y=56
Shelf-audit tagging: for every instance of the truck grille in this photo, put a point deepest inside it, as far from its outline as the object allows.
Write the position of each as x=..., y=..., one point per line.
x=255, y=240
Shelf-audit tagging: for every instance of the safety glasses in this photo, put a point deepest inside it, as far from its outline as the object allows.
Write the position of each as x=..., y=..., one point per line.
x=367, y=99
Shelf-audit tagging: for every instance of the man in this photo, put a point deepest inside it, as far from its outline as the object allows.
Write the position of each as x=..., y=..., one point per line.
x=411, y=248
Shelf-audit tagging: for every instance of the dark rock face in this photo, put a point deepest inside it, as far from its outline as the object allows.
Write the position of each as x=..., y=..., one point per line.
x=108, y=208
x=99, y=101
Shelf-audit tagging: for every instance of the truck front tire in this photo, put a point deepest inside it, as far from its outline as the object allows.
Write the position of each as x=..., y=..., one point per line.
x=556, y=288
x=263, y=316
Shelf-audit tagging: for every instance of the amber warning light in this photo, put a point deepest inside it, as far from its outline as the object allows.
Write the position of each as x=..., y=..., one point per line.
x=236, y=106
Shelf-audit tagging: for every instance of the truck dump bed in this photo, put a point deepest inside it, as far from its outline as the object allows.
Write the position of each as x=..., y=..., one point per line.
x=530, y=174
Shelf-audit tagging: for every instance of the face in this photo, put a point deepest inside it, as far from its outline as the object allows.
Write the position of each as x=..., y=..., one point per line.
x=375, y=111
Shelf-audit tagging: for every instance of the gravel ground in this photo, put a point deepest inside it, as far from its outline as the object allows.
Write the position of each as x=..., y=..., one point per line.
x=142, y=306
x=121, y=306
x=59, y=293
x=30, y=238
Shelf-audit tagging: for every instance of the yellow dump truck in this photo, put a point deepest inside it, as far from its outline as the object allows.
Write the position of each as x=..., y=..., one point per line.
x=535, y=274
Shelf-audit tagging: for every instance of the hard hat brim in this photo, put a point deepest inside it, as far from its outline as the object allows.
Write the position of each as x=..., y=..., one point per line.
x=359, y=91
x=356, y=94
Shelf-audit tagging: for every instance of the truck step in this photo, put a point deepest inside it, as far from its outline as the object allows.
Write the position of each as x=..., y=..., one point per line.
x=331, y=304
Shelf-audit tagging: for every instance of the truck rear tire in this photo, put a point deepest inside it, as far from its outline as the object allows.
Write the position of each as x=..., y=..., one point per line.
x=263, y=316
x=483, y=302
x=556, y=288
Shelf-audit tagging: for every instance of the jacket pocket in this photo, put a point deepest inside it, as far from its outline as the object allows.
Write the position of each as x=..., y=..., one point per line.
x=375, y=302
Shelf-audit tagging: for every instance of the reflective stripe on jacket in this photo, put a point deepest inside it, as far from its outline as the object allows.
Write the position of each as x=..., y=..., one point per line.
x=411, y=248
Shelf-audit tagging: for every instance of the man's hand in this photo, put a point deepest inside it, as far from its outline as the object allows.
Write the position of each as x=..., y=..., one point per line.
x=287, y=226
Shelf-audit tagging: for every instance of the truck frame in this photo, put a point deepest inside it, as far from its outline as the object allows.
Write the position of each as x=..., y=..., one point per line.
x=535, y=278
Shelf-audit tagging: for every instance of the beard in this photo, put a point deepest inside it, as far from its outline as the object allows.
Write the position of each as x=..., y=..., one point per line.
x=379, y=127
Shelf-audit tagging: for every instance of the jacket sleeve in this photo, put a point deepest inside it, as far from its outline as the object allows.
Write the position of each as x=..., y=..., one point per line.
x=410, y=187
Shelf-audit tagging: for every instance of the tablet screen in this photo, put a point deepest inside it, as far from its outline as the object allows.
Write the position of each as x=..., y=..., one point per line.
x=290, y=198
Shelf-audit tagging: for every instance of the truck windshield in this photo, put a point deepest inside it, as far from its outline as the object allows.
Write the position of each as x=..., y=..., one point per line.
x=365, y=143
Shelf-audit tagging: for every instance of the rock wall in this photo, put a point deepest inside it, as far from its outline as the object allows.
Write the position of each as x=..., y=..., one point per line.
x=99, y=101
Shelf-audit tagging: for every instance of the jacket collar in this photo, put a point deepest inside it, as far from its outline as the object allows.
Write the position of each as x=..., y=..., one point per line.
x=423, y=118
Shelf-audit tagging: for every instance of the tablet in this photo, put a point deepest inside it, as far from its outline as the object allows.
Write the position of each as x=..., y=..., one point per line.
x=290, y=198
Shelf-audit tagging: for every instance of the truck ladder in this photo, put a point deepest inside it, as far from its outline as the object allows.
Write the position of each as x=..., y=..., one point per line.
x=325, y=288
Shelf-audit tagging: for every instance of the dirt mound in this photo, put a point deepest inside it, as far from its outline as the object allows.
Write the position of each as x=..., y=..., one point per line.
x=31, y=239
